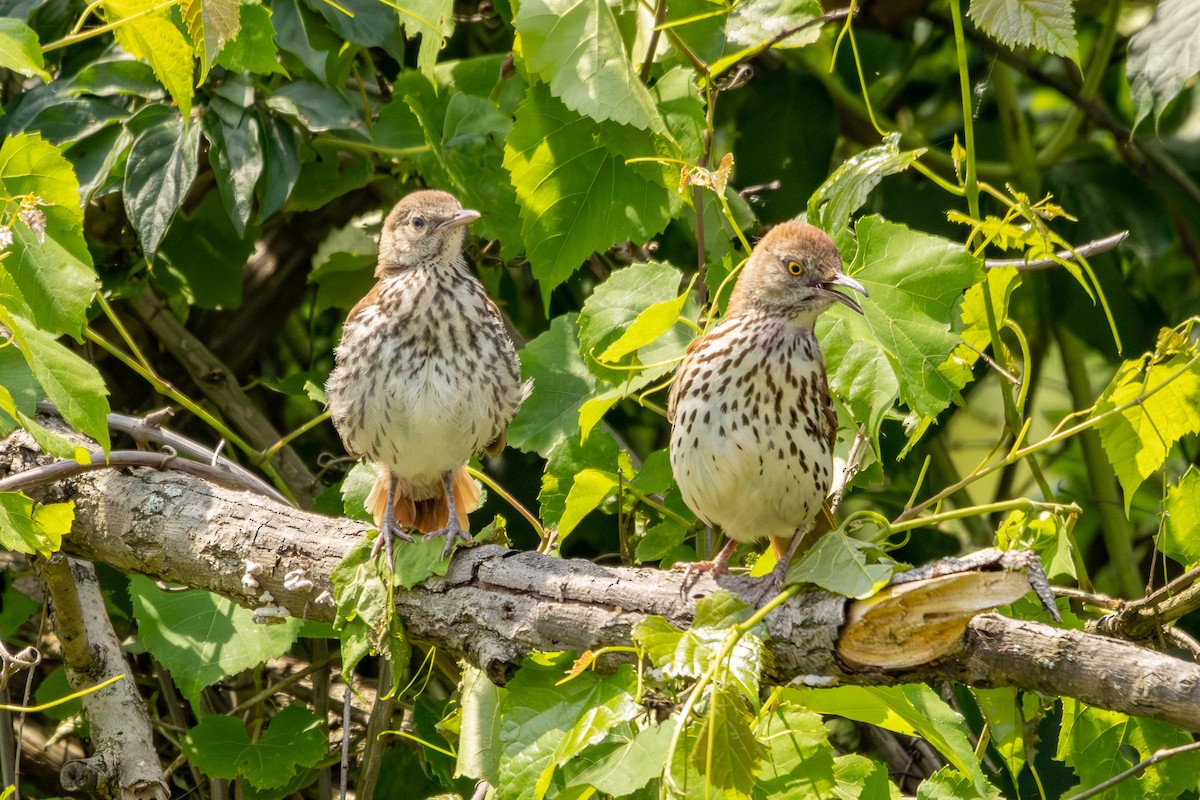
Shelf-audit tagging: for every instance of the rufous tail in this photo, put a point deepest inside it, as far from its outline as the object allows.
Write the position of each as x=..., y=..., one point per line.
x=427, y=514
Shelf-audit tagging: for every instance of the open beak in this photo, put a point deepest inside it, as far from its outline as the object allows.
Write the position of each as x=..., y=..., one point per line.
x=463, y=217
x=845, y=280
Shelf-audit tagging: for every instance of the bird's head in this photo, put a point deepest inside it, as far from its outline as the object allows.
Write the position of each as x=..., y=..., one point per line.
x=426, y=227
x=793, y=271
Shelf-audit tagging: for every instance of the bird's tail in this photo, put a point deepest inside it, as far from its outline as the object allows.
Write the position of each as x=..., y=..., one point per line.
x=427, y=513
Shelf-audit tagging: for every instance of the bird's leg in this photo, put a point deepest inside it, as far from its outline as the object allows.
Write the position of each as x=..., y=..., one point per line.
x=453, y=529
x=388, y=528
x=772, y=582
x=717, y=567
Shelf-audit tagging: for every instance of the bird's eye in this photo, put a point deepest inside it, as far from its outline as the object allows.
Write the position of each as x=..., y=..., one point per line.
x=418, y=222
x=795, y=268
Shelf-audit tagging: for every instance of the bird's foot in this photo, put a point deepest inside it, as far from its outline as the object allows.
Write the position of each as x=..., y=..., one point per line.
x=452, y=531
x=387, y=533
x=693, y=569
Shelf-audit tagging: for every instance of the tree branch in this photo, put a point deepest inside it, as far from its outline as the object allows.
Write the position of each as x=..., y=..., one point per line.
x=495, y=605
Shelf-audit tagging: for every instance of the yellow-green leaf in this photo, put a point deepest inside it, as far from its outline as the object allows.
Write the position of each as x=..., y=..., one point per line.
x=147, y=32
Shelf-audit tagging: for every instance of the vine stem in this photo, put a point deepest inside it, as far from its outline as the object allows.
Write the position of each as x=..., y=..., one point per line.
x=167, y=390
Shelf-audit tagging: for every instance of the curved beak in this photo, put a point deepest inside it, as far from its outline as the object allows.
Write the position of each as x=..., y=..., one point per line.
x=460, y=218
x=845, y=280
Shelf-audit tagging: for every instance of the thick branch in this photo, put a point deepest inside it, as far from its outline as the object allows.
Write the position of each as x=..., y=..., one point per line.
x=495, y=605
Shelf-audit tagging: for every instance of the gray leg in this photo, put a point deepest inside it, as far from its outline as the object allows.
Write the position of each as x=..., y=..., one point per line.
x=388, y=529
x=453, y=529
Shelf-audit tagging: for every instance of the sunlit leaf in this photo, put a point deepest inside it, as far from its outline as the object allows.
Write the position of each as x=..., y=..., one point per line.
x=838, y=563
x=20, y=49
x=1163, y=56
x=146, y=31
x=561, y=383
x=33, y=528
x=1045, y=24
x=847, y=188
x=210, y=23
x=1181, y=520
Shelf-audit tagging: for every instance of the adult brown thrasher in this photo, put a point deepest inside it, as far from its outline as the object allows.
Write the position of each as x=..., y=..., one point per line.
x=753, y=425
x=426, y=375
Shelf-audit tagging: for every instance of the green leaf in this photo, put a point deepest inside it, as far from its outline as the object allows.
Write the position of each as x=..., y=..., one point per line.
x=20, y=49
x=727, y=752
x=253, y=48
x=615, y=307
x=1180, y=539
x=860, y=778
x=1045, y=24
x=236, y=156
x=838, y=563
x=211, y=24
x=577, y=194
x=71, y=383
x=343, y=266
x=281, y=168
x=366, y=618
x=576, y=47
x=754, y=24
x=543, y=724
x=369, y=23
x=50, y=442
x=1095, y=744
x=1001, y=709
x=650, y=324
x=51, y=282
x=976, y=337
x=689, y=654
x=567, y=459
x=207, y=254
x=799, y=758
x=950, y=784
x=561, y=383
x=631, y=765
x=200, y=637
x=479, y=730
x=316, y=107
x=590, y=488
x=847, y=188
x=893, y=350
x=1163, y=57
x=33, y=528
x=219, y=746
x=158, y=176
x=912, y=710
x=145, y=31
x=1138, y=439
x=433, y=21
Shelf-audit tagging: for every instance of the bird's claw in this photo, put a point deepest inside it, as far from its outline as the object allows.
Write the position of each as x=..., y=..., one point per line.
x=452, y=532
x=694, y=568
x=386, y=534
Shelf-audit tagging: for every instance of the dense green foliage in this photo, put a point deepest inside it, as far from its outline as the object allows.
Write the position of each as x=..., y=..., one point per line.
x=234, y=160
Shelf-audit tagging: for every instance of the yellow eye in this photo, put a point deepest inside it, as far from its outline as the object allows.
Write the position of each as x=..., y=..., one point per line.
x=795, y=268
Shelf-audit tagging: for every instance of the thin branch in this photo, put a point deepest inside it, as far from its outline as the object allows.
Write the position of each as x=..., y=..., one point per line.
x=1157, y=758
x=1083, y=251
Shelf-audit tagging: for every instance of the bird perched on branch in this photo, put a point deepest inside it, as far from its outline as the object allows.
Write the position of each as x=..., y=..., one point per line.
x=753, y=425
x=426, y=375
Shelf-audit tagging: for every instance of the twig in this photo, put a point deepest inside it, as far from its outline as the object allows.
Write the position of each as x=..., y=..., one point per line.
x=66, y=468
x=1083, y=251
x=1158, y=757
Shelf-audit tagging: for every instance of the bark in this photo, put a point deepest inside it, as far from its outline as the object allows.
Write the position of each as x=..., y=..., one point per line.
x=495, y=605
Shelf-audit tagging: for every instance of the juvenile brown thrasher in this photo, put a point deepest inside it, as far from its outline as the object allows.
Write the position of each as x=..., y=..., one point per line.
x=426, y=375
x=753, y=425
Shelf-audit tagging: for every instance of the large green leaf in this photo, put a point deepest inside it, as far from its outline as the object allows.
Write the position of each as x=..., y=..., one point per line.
x=1045, y=24
x=219, y=746
x=71, y=383
x=200, y=637
x=576, y=47
x=912, y=710
x=798, y=762
x=569, y=458
x=158, y=176
x=433, y=21
x=1138, y=439
x=236, y=155
x=253, y=48
x=727, y=753
x=577, y=194
x=145, y=30
x=838, y=564
x=49, y=278
x=33, y=528
x=20, y=49
x=210, y=23
x=1180, y=538
x=630, y=765
x=1101, y=744
x=907, y=331
x=1163, y=56
x=561, y=383
x=544, y=724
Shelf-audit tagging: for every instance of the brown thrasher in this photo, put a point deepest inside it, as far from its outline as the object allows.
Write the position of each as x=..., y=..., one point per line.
x=426, y=375
x=753, y=425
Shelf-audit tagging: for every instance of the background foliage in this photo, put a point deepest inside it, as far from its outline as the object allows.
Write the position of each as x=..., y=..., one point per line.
x=234, y=159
